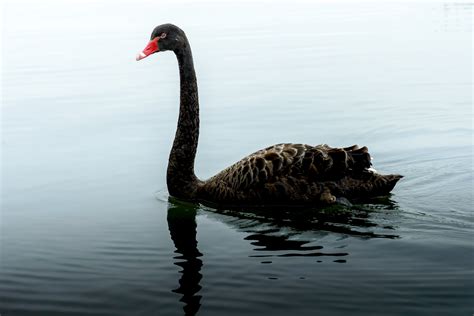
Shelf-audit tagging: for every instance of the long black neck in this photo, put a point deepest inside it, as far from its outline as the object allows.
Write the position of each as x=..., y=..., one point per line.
x=181, y=180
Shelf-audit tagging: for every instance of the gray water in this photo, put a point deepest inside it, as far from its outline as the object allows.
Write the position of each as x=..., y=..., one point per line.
x=87, y=227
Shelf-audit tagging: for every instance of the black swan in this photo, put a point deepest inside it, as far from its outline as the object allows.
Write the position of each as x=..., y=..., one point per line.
x=283, y=174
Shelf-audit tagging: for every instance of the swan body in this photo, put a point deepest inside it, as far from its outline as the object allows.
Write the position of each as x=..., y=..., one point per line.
x=289, y=174
x=283, y=174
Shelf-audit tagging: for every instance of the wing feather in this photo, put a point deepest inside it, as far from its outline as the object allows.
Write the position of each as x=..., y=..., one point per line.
x=295, y=172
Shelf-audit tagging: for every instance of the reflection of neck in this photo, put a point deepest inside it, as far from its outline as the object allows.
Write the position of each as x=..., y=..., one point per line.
x=182, y=227
x=181, y=180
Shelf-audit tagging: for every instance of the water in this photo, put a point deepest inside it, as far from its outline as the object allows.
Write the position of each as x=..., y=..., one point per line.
x=87, y=227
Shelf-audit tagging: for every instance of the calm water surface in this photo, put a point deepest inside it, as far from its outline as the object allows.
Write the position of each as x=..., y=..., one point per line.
x=87, y=227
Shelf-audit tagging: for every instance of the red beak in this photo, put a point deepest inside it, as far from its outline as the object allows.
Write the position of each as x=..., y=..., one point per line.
x=151, y=48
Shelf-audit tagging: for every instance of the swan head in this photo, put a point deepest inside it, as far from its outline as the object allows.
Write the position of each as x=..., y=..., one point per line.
x=164, y=37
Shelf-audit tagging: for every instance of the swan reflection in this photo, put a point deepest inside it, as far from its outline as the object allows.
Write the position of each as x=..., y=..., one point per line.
x=274, y=233
x=182, y=227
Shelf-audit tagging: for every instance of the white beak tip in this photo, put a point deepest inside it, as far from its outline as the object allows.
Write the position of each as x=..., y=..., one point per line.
x=140, y=56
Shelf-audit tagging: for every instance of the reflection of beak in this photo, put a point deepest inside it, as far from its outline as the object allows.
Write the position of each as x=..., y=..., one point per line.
x=151, y=48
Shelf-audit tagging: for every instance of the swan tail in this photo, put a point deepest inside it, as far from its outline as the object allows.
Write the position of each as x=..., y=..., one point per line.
x=388, y=183
x=353, y=166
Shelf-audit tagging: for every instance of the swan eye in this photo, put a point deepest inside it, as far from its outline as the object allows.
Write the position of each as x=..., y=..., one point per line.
x=163, y=35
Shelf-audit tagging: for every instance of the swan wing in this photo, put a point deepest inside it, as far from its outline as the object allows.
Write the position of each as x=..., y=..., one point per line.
x=296, y=173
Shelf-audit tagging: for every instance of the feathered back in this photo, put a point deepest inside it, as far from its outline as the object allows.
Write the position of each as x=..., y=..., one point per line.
x=298, y=174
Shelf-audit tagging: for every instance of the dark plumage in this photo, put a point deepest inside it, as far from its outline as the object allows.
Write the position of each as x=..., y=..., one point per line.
x=283, y=174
